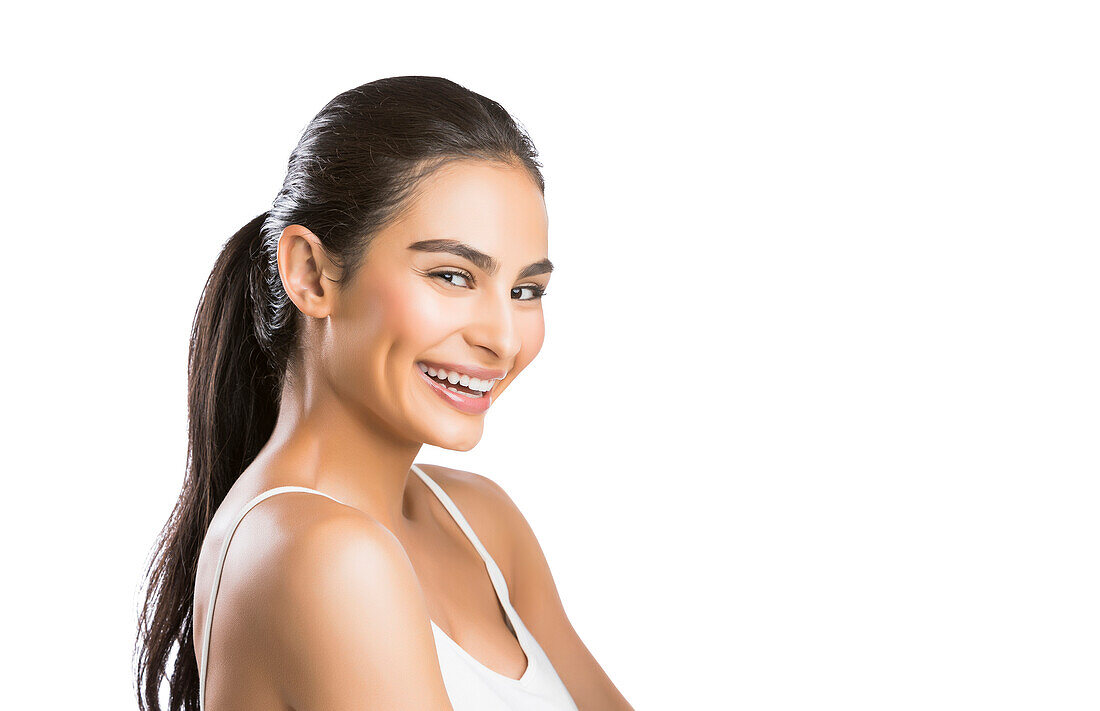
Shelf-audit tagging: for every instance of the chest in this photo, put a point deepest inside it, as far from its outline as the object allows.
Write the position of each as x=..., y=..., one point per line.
x=462, y=602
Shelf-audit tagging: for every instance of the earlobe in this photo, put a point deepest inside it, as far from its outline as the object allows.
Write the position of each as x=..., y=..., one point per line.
x=306, y=271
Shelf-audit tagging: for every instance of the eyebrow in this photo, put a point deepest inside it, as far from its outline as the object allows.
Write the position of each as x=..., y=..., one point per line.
x=483, y=261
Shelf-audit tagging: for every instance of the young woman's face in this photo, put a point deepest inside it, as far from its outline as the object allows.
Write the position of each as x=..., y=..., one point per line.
x=413, y=303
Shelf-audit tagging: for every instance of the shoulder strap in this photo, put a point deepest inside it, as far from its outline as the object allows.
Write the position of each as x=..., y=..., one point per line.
x=218, y=575
x=497, y=577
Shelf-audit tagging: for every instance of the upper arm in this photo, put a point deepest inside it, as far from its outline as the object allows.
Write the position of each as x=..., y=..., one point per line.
x=535, y=596
x=349, y=624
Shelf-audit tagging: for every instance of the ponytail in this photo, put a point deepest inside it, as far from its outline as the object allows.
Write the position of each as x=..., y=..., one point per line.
x=232, y=403
x=231, y=384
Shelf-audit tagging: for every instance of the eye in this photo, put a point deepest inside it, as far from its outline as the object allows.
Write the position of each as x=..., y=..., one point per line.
x=537, y=290
x=450, y=273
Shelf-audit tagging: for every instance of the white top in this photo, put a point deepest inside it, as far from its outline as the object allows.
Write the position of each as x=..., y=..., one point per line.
x=471, y=686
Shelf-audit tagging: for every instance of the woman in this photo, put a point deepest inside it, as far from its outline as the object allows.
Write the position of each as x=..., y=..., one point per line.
x=389, y=296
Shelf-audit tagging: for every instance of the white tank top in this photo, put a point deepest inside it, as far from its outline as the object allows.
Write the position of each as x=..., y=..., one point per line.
x=471, y=686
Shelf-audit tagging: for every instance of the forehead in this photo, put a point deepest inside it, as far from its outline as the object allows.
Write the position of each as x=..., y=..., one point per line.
x=493, y=207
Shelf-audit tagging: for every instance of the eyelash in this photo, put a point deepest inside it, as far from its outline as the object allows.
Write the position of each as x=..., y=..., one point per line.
x=539, y=291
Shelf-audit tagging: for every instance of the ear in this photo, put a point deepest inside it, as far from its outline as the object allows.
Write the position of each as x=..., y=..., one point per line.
x=307, y=272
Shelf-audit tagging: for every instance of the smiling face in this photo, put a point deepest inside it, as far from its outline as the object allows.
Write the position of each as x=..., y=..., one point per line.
x=455, y=282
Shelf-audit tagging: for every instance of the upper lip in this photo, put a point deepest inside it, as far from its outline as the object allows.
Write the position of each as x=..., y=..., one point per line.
x=472, y=370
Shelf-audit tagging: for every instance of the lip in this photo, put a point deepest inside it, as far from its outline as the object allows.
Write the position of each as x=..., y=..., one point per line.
x=462, y=403
x=472, y=370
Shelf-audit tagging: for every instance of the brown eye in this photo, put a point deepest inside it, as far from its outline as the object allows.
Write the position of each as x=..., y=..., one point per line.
x=538, y=291
x=449, y=273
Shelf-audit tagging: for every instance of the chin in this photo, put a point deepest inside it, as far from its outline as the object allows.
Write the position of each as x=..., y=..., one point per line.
x=454, y=436
x=458, y=444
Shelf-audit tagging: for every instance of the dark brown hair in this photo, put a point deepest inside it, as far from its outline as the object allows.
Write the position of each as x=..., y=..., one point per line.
x=352, y=173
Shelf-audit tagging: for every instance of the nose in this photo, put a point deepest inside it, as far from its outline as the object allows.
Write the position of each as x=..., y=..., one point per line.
x=494, y=326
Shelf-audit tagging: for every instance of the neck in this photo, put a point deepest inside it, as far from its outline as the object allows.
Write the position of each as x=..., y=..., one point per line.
x=343, y=451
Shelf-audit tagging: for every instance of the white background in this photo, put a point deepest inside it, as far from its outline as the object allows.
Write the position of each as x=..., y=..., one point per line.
x=815, y=423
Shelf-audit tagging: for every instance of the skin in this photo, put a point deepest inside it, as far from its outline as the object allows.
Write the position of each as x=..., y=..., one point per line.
x=302, y=570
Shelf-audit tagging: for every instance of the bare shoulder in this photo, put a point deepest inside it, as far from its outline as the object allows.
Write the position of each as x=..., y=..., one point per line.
x=345, y=615
x=498, y=522
x=476, y=489
x=485, y=504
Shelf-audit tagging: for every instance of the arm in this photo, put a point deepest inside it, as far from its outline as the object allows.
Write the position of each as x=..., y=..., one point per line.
x=349, y=625
x=535, y=596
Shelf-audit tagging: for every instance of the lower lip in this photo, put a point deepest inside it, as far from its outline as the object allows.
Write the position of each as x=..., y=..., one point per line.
x=469, y=405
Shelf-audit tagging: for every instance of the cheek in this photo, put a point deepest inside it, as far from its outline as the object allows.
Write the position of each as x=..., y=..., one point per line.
x=531, y=337
x=381, y=325
x=413, y=317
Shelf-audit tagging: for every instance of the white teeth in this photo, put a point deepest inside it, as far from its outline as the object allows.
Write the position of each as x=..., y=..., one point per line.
x=459, y=378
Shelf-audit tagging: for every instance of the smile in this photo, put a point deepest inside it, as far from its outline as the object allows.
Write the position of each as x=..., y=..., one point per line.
x=472, y=398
